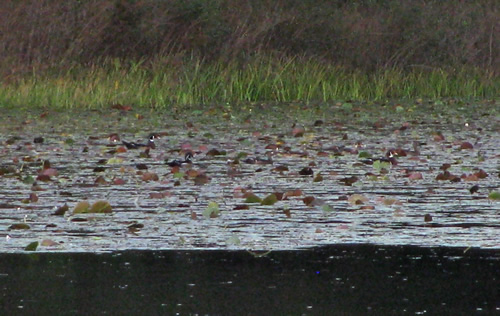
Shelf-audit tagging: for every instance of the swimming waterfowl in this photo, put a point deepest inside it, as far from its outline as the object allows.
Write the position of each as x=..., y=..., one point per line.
x=134, y=145
x=390, y=158
x=177, y=163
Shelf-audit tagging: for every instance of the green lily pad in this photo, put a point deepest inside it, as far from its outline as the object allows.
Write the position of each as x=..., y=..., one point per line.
x=233, y=240
x=179, y=175
x=212, y=210
x=327, y=208
x=19, y=226
x=28, y=180
x=495, y=196
x=101, y=207
x=32, y=246
x=252, y=198
x=97, y=207
x=364, y=154
x=269, y=200
x=379, y=165
x=114, y=160
x=81, y=207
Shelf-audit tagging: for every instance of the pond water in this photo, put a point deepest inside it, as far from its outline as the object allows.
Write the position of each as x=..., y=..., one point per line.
x=354, y=201
x=334, y=280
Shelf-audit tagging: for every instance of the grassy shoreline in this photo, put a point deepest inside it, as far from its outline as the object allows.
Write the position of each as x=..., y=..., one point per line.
x=165, y=83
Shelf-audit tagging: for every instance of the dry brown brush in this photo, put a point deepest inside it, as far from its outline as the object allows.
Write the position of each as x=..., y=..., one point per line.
x=365, y=35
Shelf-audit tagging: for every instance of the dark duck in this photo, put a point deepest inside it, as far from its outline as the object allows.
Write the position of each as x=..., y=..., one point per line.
x=149, y=145
x=178, y=163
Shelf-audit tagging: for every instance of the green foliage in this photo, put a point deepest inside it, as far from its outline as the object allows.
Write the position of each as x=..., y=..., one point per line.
x=269, y=200
x=252, y=198
x=32, y=246
x=265, y=78
x=212, y=210
x=379, y=165
x=494, y=195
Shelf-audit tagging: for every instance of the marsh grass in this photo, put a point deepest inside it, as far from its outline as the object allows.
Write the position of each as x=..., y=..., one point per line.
x=166, y=82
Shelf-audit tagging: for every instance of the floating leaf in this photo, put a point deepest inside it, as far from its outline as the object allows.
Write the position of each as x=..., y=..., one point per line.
x=494, y=195
x=389, y=201
x=81, y=207
x=296, y=192
x=287, y=212
x=43, y=178
x=32, y=246
x=241, y=207
x=233, y=240
x=445, y=166
x=415, y=176
x=28, y=180
x=466, y=145
x=364, y=154
x=481, y=174
x=357, y=199
x=318, y=178
x=100, y=180
x=327, y=208
x=215, y=152
x=269, y=200
x=201, y=179
x=49, y=243
x=427, y=218
x=280, y=168
x=212, y=210
x=379, y=165
x=179, y=175
x=100, y=207
x=150, y=176
x=252, y=198
x=19, y=226
x=349, y=181
x=118, y=181
x=114, y=160
x=298, y=132
x=308, y=200
x=159, y=195
x=61, y=210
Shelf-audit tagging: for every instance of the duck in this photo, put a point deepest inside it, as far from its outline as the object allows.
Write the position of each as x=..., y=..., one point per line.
x=178, y=163
x=134, y=145
x=390, y=158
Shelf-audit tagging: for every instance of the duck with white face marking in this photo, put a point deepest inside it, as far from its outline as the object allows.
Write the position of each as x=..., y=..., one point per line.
x=179, y=163
x=149, y=145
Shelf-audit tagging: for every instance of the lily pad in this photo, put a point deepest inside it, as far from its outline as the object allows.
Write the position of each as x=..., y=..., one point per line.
x=495, y=196
x=81, y=207
x=101, y=207
x=97, y=207
x=269, y=200
x=32, y=246
x=19, y=226
x=252, y=198
x=212, y=210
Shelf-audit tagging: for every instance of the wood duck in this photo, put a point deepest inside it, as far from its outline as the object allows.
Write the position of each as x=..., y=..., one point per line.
x=134, y=145
x=390, y=157
x=178, y=163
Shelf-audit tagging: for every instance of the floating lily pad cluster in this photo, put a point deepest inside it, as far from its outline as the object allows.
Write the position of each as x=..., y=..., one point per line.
x=324, y=169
